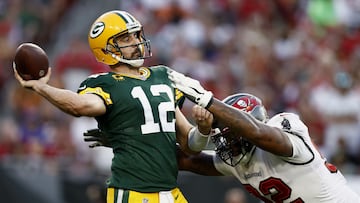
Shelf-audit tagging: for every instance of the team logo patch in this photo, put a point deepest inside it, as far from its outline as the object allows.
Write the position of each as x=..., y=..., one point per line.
x=286, y=124
x=97, y=29
x=242, y=103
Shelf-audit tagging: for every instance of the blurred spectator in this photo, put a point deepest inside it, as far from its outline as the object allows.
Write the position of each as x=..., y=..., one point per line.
x=235, y=195
x=9, y=137
x=322, y=12
x=9, y=37
x=339, y=106
x=348, y=12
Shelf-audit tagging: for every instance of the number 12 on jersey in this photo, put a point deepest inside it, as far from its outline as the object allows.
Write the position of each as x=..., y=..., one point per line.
x=163, y=108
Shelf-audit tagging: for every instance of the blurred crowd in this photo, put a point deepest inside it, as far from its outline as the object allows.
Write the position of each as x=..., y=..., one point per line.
x=301, y=56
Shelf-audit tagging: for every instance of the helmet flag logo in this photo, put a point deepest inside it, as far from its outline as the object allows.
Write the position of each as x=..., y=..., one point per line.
x=97, y=29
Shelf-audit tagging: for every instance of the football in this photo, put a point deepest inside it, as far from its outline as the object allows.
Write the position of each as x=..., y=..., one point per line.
x=31, y=61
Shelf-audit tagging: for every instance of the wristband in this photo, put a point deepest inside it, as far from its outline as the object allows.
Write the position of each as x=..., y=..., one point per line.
x=196, y=140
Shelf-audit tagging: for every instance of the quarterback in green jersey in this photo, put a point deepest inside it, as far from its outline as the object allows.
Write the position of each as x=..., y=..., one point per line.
x=137, y=109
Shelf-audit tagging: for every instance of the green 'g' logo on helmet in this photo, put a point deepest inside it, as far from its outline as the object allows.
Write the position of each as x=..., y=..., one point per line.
x=97, y=29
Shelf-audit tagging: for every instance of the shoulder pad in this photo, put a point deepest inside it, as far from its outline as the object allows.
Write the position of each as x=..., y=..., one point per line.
x=289, y=122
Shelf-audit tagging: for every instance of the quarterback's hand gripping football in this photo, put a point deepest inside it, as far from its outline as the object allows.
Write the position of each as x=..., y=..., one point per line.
x=97, y=137
x=32, y=84
x=191, y=88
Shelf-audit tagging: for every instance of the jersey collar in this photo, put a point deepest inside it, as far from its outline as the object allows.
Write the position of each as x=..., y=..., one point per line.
x=144, y=74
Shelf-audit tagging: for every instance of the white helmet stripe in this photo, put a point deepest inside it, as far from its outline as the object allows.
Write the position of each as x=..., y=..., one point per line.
x=131, y=17
x=125, y=16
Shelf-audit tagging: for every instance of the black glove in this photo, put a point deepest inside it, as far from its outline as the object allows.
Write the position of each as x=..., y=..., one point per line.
x=97, y=137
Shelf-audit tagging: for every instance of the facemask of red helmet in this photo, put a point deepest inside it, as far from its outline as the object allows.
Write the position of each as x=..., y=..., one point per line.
x=232, y=148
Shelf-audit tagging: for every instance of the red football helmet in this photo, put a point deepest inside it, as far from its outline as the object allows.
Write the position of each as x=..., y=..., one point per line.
x=233, y=148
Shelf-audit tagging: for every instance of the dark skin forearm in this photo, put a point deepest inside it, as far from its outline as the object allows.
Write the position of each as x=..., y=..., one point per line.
x=268, y=138
x=201, y=163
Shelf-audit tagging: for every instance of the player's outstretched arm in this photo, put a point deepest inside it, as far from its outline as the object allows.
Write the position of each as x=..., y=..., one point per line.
x=268, y=138
x=201, y=163
x=66, y=100
x=193, y=139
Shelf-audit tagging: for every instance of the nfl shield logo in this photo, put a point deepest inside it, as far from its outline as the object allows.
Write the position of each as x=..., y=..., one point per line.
x=145, y=200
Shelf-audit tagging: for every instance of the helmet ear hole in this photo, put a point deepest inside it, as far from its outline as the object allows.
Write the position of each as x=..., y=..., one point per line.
x=110, y=49
x=104, y=51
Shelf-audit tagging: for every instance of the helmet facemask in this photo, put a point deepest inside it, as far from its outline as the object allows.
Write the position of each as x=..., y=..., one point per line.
x=143, y=46
x=231, y=149
x=229, y=146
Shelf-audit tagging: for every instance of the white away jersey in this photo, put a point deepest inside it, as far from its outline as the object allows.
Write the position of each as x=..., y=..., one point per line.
x=304, y=177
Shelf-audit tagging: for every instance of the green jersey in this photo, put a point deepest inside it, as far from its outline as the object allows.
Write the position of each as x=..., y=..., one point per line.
x=140, y=124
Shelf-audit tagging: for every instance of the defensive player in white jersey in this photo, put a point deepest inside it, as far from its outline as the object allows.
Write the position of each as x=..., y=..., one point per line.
x=274, y=158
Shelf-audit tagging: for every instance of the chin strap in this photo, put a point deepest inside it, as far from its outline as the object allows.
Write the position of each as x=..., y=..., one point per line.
x=134, y=63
